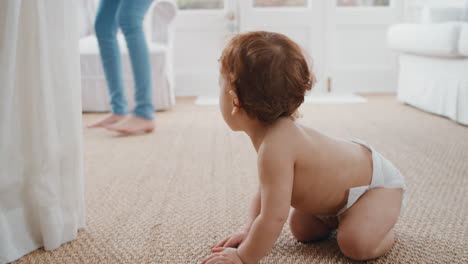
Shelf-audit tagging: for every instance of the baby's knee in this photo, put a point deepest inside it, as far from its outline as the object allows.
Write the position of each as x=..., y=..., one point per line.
x=298, y=232
x=306, y=231
x=357, y=246
x=297, y=227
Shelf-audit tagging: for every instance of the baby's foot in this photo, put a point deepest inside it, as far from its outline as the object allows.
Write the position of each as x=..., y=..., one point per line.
x=107, y=120
x=133, y=125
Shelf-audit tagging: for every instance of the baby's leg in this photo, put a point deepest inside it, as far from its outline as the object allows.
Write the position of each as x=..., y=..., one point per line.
x=366, y=229
x=307, y=227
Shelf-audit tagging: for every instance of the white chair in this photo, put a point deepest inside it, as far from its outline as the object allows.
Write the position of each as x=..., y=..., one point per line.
x=159, y=32
x=433, y=74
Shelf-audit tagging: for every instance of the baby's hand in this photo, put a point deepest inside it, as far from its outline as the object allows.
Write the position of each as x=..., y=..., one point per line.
x=223, y=256
x=233, y=240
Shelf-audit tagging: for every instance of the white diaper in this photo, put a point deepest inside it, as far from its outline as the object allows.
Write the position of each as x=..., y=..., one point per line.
x=384, y=174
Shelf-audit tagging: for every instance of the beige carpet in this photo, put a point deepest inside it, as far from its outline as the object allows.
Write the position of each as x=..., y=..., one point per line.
x=167, y=196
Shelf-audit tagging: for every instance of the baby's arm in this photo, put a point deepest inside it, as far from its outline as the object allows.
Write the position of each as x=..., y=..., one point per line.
x=276, y=171
x=254, y=211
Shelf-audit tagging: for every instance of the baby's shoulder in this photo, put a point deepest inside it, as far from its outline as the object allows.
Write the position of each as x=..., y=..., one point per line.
x=278, y=141
x=275, y=157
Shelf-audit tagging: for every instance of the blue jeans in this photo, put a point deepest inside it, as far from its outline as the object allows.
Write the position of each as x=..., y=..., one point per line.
x=128, y=15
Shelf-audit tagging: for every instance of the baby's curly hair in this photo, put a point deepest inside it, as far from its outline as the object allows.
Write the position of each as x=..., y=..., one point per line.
x=269, y=73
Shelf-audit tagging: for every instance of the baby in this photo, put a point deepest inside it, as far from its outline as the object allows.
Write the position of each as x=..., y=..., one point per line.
x=264, y=77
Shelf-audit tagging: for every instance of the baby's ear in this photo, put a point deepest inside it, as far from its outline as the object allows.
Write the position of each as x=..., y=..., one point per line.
x=235, y=101
x=232, y=93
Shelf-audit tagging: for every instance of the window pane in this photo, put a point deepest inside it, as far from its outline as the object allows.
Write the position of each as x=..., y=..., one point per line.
x=363, y=2
x=200, y=4
x=280, y=3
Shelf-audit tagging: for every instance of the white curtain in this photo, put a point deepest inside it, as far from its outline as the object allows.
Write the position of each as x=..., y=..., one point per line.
x=87, y=15
x=41, y=176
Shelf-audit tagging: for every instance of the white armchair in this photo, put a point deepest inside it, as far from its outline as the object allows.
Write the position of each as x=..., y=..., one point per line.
x=433, y=74
x=159, y=31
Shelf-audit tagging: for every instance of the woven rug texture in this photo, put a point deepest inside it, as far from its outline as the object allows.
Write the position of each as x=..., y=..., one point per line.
x=166, y=197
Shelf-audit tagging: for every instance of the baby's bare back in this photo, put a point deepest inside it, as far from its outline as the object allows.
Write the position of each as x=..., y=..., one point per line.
x=325, y=168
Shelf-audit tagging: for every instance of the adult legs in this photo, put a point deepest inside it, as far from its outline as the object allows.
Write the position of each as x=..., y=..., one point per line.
x=130, y=17
x=106, y=27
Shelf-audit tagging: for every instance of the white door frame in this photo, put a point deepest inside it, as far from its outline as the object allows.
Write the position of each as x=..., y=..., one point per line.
x=202, y=34
x=353, y=69
x=194, y=25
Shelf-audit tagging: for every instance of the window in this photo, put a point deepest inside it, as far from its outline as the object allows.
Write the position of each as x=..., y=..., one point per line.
x=200, y=4
x=280, y=3
x=356, y=3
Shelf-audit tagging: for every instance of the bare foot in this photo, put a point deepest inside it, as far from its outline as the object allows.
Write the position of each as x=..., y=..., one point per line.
x=107, y=120
x=133, y=125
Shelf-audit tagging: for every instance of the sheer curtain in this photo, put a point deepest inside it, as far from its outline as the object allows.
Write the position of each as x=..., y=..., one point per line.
x=41, y=177
x=87, y=14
